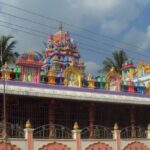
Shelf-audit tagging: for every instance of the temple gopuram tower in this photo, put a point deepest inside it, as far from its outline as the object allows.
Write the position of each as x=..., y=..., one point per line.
x=60, y=54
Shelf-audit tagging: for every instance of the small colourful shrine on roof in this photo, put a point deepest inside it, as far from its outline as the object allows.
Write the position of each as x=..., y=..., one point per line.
x=62, y=65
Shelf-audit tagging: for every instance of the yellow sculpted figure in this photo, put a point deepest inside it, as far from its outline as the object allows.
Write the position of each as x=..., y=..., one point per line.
x=89, y=76
x=112, y=69
x=73, y=80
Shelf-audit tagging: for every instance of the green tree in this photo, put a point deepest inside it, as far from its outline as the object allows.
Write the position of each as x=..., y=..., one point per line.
x=7, y=44
x=118, y=59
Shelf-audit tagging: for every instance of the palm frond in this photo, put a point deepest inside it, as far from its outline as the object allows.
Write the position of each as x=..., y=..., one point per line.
x=118, y=59
x=7, y=45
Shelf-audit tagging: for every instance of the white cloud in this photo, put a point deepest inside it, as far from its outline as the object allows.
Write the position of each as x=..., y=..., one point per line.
x=113, y=27
x=145, y=2
x=110, y=17
x=148, y=31
x=111, y=14
x=139, y=38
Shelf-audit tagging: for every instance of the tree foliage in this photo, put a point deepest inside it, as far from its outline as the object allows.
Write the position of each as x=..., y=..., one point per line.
x=118, y=59
x=7, y=45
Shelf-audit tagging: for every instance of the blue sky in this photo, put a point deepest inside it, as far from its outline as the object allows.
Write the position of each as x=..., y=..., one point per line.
x=98, y=26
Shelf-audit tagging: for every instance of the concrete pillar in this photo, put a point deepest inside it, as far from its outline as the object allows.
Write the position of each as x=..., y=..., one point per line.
x=91, y=119
x=5, y=119
x=51, y=118
x=51, y=112
x=116, y=136
x=29, y=136
x=132, y=120
x=76, y=134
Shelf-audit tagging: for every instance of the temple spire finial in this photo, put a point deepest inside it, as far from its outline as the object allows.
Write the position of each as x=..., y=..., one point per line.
x=61, y=26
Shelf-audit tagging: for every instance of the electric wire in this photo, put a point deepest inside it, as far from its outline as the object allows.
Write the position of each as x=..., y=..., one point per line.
x=71, y=25
x=35, y=22
x=31, y=29
x=28, y=20
x=111, y=45
x=103, y=51
x=33, y=34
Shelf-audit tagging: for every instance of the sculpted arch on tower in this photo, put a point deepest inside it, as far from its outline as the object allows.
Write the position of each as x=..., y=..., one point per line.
x=72, y=77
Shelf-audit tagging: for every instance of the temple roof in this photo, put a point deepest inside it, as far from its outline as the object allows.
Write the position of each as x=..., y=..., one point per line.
x=29, y=58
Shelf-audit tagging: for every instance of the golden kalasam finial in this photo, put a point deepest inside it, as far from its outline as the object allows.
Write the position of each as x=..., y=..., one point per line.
x=75, y=126
x=112, y=69
x=28, y=124
x=116, y=126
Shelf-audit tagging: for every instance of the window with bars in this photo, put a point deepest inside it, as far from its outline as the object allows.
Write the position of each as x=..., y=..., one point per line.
x=108, y=114
x=24, y=108
x=20, y=109
x=67, y=112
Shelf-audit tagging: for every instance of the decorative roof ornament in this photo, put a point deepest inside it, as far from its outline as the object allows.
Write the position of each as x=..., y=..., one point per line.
x=28, y=124
x=89, y=76
x=116, y=126
x=112, y=69
x=76, y=126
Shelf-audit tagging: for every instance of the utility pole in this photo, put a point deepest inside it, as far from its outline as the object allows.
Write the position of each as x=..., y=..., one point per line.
x=4, y=100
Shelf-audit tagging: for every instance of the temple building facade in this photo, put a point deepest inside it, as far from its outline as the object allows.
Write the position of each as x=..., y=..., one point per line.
x=52, y=104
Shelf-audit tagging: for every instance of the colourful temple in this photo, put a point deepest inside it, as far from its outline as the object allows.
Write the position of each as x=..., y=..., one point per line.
x=52, y=104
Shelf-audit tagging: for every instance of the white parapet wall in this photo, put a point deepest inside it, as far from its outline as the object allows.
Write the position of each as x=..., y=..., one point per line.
x=72, y=94
x=125, y=142
x=19, y=142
